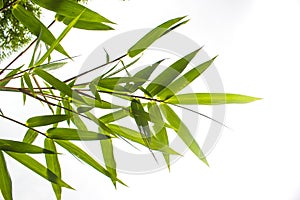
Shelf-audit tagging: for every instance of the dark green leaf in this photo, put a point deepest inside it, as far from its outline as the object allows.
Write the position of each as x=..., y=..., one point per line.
x=53, y=165
x=169, y=74
x=152, y=36
x=182, y=131
x=45, y=120
x=22, y=147
x=5, y=181
x=184, y=80
x=74, y=134
x=210, y=99
x=35, y=26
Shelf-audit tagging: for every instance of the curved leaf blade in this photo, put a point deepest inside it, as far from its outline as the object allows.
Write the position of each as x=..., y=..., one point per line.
x=182, y=131
x=210, y=99
x=74, y=134
x=5, y=180
x=45, y=120
x=38, y=168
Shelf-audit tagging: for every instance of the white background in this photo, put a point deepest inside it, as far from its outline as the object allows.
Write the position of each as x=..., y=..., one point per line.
x=258, y=47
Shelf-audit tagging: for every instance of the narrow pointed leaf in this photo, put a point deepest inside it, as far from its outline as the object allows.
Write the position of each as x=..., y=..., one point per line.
x=74, y=134
x=53, y=165
x=38, y=168
x=184, y=80
x=35, y=26
x=210, y=99
x=103, y=104
x=1, y=4
x=71, y=9
x=152, y=36
x=182, y=131
x=56, y=83
x=45, y=120
x=5, y=180
x=22, y=147
x=114, y=116
x=52, y=66
x=9, y=76
x=30, y=136
x=169, y=74
x=23, y=86
x=28, y=82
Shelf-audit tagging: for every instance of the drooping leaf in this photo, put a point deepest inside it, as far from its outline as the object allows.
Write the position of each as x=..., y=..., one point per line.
x=169, y=74
x=184, y=80
x=38, y=168
x=82, y=155
x=35, y=26
x=52, y=66
x=30, y=136
x=71, y=9
x=45, y=120
x=182, y=131
x=114, y=116
x=28, y=82
x=74, y=134
x=22, y=147
x=135, y=136
x=159, y=128
x=5, y=180
x=1, y=4
x=152, y=36
x=56, y=83
x=23, y=86
x=8, y=77
x=53, y=165
x=210, y=99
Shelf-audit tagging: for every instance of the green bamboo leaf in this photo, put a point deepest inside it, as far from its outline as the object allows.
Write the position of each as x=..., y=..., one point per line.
x=45, y=120
x=5, y=180
x=210, y=99
x=125, y=67
x=38, y=168
x=23, y=86
x=8, y=77
x=93, y=89
x=135, y=136
x=83, y=109
x=143, y=74
x=114, y=116
x=184, y=80
x=30, y=136
x=74, y=134
x=82, y=155
x=53, y=165
x=82, y=24
x=109, y=159
x=103, y=104
x=22, y=147
x=58, y=40
x=182, y=131
x=152, y=36
x=28, y=82
x=52, y=66
x=1, y=4
x=56, y=83
x=119, y=80
x=159, y=128
x=169, y=74
x=35, y=26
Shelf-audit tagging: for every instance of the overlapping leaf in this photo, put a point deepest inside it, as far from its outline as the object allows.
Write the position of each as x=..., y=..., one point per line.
x=46, y=120
x=5, y=180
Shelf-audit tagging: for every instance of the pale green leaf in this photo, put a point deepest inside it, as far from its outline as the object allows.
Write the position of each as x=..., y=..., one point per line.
x=210, y=99
x=38, y=168
x=5, y=180
x=182, y=131
x=52, y=66
x=8, y=77
x=46, y=120
x=114, y=116
x=169, y=74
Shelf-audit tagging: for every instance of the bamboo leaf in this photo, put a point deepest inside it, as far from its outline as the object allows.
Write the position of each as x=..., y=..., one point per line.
x=184, y=80
x=109, y=159
x=71, y=9
x=82, y=155
x=159, y=128
x=210, y=99
x=28, y=82
x=52, y=66
x=35, y=26
x=53, y=165
x=56, y=83
x=74, y=134
x=23, y=86
x=169, y=74
x=38, y=168
x=114, y=116
x=5, y=180
x=46, y=120
x=135, y=136
x=152, y=36
x=22, y=147
x=8, y=77
x=103, y=104
x=30, y=136
x=182, y=131
x=1, y=4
